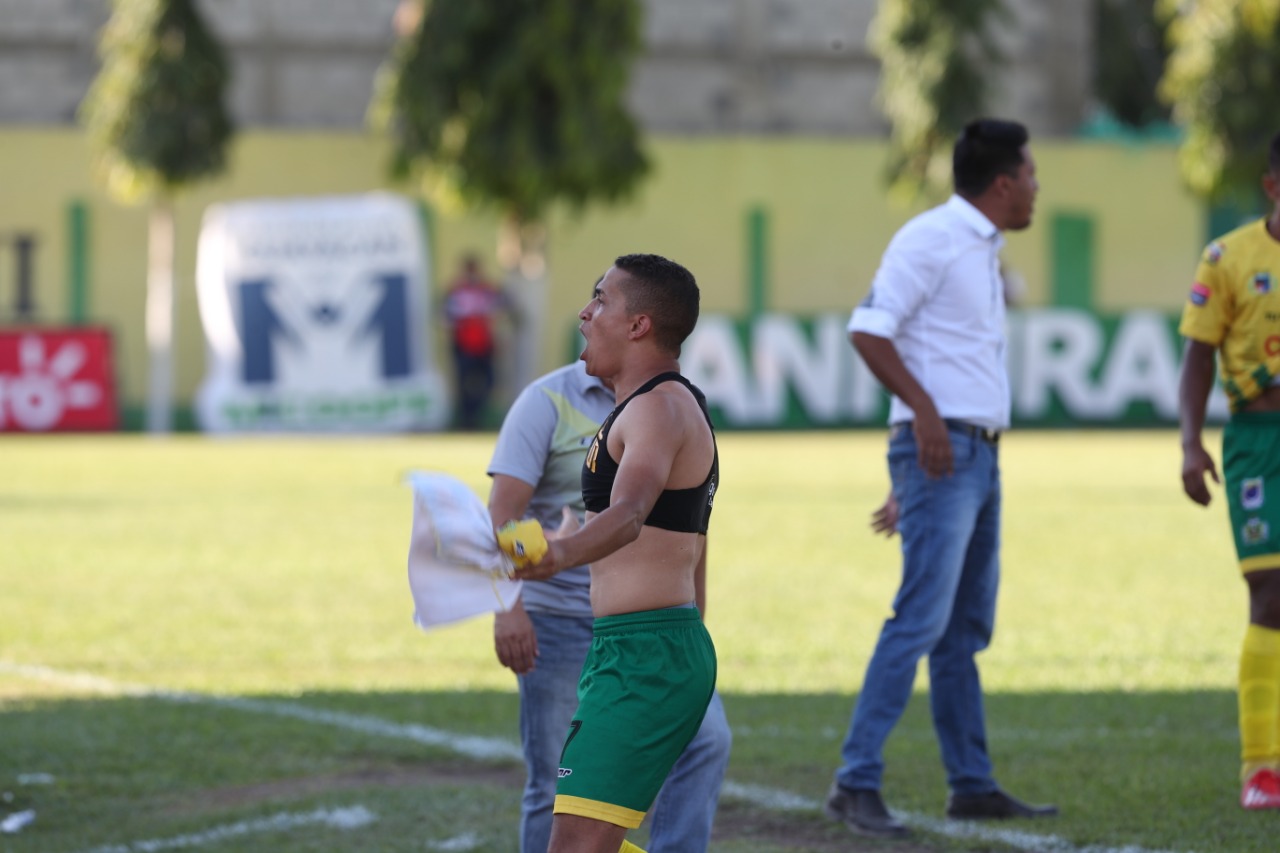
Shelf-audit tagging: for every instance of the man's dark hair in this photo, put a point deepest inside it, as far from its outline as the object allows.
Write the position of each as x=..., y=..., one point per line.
x=986, y=149
x=1273, y=155
x=664, y=290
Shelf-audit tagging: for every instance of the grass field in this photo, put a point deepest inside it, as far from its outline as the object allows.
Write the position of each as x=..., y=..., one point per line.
x=206, y=644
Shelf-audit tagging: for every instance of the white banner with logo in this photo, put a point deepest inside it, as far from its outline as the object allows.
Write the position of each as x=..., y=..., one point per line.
x=316, y=315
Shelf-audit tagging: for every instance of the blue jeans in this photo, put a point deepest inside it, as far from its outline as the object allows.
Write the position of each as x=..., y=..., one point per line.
x=681, y=817
x=945, y=608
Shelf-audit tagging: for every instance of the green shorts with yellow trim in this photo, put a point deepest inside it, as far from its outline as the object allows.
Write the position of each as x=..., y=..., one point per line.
x=1251, y=469
x=644, y=690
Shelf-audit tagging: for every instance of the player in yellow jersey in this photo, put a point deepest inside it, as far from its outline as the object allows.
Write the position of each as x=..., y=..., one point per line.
x=1234, y=313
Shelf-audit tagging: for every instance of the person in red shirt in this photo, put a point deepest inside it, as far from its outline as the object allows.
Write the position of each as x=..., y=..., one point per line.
x=470, y=308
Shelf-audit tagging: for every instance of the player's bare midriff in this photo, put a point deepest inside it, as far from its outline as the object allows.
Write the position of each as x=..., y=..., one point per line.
x=1267, y=401
x=654, y=571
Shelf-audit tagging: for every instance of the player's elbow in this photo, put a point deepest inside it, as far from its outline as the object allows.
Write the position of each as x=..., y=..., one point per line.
x=635, y=523
x=631, y=518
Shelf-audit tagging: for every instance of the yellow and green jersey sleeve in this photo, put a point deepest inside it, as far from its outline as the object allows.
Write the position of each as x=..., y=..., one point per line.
x=1234, y=306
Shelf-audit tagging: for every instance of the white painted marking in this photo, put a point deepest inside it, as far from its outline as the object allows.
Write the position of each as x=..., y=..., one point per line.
x=35, y=779
x=457, y=844
x=769, y=798
x=79, y=680
x=470, y=746
x=479, y=747
x=1061, y=737
x=17, y=821
x=1014, y=837
x=352, y=817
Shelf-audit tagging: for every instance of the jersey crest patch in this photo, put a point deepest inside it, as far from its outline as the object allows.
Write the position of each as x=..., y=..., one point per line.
x=1262, y=282
x=1255, y=531
x=1252, y=494
x=1214, y=251
x=1200, y=293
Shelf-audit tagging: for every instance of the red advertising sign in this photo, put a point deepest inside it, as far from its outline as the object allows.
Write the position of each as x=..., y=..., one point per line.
x=56, y=380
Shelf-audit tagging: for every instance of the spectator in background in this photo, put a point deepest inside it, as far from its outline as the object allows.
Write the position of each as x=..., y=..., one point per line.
x=471, y=308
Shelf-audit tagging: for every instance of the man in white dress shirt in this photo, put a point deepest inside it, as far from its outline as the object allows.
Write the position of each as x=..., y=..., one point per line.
x=932, y=331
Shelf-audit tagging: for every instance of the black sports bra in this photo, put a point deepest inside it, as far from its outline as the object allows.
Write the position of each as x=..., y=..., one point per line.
x=682, y=510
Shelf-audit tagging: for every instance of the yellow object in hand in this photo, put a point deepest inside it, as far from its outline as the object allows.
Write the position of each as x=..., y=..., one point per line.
x=523, y=541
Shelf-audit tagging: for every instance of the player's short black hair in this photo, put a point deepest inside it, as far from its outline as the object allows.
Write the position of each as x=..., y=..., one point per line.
x=664, y=290
x=1273, y=155
x=987, y=148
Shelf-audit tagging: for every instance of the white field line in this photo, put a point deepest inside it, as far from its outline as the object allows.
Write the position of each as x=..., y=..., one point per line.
x=1017, y=838
x=772, y=799
x=457, y=844
x=776, y=800
x=490, y=748
x=1062, y=737
x=352, y=817
x=471, y=747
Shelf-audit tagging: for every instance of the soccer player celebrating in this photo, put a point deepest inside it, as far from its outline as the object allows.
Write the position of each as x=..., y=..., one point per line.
x=648, y=484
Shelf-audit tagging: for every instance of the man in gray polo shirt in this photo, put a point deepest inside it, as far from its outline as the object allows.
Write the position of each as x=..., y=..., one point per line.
x=544, y=639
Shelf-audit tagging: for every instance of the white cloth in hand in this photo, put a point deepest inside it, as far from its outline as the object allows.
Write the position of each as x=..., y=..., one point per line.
x=456, y=569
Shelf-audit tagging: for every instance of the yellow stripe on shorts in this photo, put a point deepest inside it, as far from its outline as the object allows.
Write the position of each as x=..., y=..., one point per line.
x=607, y=812
x=1262, y=561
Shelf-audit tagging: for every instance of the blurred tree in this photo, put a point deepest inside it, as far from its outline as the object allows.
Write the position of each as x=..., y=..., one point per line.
x=515, y=106
x=1221, y=80
x=1129, y=38
x=157, y=122
x=936, y=59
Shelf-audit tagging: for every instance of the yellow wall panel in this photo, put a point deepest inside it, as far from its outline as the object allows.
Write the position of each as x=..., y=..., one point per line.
x=827, y=212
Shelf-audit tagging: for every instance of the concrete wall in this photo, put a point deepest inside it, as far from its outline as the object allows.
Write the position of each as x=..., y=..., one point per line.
x=709, y=67
x=803, y=67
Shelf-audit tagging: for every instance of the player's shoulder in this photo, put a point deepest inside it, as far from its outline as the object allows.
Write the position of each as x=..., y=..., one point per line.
x=657, y=401
x=1236, y=244
x=670, y=406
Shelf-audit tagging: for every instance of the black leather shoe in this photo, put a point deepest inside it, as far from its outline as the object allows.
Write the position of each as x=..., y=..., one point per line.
x=863, y=812
x=996, y=805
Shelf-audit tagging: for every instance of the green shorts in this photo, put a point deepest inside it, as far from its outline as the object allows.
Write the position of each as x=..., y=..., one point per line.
x=644, y=690
x=1251, y=469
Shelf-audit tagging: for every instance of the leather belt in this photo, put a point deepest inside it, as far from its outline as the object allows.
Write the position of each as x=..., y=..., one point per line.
x=990, y=436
